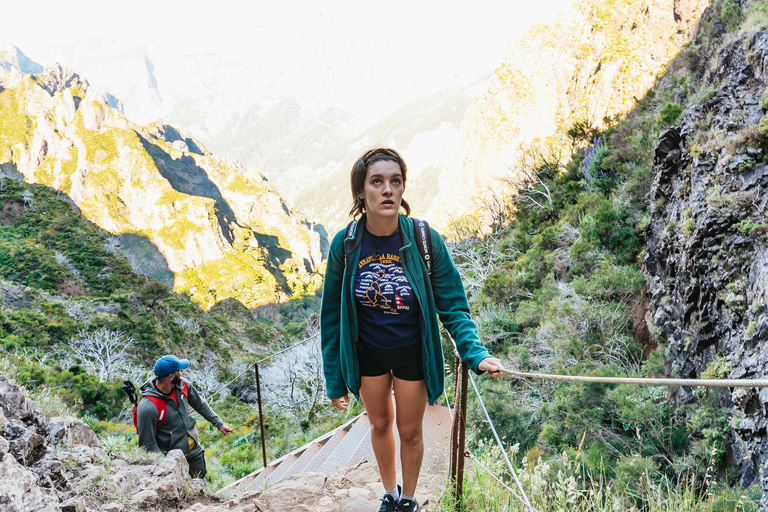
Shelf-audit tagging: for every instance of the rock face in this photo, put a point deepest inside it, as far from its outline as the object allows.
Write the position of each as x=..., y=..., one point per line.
x=33, y=479
x=207, y=226
x=707, y=243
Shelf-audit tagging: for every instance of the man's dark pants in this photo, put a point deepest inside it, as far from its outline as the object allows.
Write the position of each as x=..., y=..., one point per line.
x=196, y=460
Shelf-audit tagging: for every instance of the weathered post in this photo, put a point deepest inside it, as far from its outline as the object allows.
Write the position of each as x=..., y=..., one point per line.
x=261, y=415
x=458, y=431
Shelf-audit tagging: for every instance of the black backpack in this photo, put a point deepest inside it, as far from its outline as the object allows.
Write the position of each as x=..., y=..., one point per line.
x=423, y=240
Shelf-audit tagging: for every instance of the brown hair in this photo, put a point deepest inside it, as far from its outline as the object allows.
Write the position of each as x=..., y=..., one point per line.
x=357, y=177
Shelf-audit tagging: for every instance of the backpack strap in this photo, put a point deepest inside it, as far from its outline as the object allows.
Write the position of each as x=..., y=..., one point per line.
x=349, y=232
x=162, y=409
x=424, y=241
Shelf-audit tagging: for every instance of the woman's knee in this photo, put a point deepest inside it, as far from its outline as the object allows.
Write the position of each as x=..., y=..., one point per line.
x=380, y=425
x=410, y=436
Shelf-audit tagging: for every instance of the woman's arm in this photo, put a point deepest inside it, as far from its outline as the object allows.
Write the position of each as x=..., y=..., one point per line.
x=453, y=310
x=330, y=319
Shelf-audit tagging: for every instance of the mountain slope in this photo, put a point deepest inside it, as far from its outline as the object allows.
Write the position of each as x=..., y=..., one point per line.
x=585, y=70
x=207, y=226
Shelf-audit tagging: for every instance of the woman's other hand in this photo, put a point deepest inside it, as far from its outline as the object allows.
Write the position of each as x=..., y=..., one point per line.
x=491, y=365
x=341, y=403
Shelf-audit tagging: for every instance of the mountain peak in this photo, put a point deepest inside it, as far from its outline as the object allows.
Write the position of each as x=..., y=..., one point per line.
x=57, y=78
x=13, y=58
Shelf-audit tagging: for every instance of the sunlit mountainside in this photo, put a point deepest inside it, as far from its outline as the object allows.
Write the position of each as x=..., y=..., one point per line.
x=580, y=73
x=206, y=226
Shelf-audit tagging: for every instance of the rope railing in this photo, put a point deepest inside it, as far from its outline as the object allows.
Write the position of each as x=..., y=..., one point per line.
x=255, y=367
x=647, y=381
x=525, y=500
x=222, y=388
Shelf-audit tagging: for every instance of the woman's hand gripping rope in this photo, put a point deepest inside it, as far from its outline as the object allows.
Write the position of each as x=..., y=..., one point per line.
x=493, y=366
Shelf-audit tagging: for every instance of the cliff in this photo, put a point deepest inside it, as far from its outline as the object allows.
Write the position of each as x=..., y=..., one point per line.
x=207, y=226
x=707, y=249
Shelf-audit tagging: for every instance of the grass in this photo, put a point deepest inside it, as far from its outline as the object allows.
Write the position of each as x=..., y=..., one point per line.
x=561, y=484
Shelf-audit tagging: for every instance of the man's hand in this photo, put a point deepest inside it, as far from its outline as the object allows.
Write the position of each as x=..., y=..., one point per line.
x=492, y=366
x=341, y=403
x=225, y=429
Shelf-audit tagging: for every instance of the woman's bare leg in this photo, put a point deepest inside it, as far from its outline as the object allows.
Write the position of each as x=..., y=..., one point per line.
x=376, y=393
x=411, y=401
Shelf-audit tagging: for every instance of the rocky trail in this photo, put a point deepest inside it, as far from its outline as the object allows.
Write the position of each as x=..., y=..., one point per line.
x=58, y=465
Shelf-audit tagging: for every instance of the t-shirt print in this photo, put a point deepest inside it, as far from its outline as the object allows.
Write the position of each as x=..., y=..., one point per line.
x=382, y=284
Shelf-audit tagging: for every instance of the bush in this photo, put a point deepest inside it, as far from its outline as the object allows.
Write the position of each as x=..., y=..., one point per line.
x=669, y=114
x=611, y=229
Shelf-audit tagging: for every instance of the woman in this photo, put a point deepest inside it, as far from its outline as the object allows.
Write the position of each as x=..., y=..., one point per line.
x=379, y=325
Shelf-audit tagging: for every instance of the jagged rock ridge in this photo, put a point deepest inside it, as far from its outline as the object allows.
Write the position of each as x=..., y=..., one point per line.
x=208, y=226
x=707, y=244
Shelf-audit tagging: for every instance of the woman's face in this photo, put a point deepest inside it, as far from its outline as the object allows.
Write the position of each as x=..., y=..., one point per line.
x=383, y=189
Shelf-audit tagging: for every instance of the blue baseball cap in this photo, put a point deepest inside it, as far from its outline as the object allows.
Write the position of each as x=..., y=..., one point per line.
x=166, y=365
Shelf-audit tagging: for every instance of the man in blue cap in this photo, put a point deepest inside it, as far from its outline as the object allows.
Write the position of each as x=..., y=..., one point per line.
x=162, y=415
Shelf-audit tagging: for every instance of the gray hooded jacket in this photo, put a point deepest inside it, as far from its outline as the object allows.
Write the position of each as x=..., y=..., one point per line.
x=172, y=433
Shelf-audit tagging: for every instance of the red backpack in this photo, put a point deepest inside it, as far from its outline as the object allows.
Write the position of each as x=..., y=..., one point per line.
x=162, y=409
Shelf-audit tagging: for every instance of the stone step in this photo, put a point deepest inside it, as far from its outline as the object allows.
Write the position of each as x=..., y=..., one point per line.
x=351, y=444
x=258, y=482
x=305, y=458
x=283, y=468
x=348, y=446
x=327, y=449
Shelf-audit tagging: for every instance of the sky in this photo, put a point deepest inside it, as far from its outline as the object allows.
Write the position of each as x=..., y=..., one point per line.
x=480, y=25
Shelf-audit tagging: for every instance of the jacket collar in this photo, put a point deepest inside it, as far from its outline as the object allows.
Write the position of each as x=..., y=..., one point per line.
x=353, y=242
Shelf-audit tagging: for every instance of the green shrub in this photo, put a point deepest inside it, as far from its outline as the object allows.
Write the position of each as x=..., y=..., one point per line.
x=498, y=286
x=610, y=282
x=669, y=114
x=612, y=230
x=730, y=12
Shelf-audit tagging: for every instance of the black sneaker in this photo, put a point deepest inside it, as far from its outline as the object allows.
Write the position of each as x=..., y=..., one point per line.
x=388, y=503
x=408, y=505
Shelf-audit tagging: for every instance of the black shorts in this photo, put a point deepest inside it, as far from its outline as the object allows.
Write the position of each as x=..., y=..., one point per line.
x=405, y=364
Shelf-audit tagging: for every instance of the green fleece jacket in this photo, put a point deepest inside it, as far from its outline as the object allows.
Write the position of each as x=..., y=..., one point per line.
x=445, y=298
x=172, y=433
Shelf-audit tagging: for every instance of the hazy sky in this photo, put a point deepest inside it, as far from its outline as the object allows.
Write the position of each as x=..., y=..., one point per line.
x=483, y=24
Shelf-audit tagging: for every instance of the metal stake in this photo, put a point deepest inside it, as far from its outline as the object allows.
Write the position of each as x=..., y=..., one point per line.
x=462, y=433
x=261, y=415
x=458, y=431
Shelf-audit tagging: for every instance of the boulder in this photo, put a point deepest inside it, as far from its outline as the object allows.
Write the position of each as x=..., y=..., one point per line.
x=25, y=445
x=15, y=406
x=74, y=505
x=19, y=491
x=131, y=478
x=166, y=479
x=112, y=507
x=147, y=496
x=50, y=474
x=170, y=476
x=71, y=431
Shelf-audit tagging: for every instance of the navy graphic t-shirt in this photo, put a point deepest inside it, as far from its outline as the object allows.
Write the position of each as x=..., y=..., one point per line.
x=387, y=308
